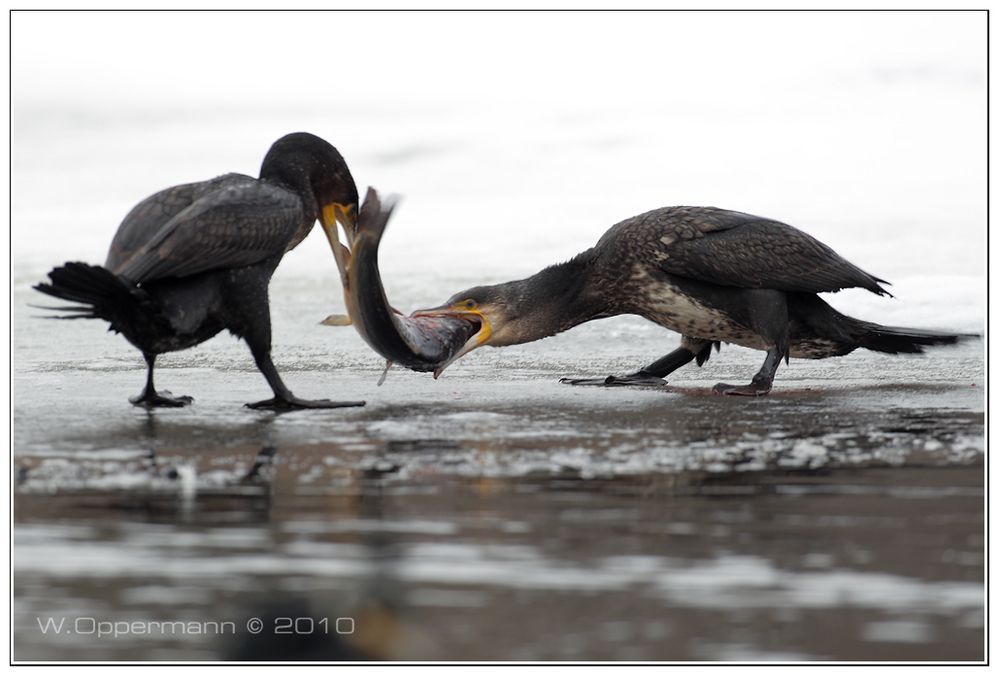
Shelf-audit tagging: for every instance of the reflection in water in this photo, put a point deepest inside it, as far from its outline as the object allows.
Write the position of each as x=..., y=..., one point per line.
x=762, y=565
x=363, y=626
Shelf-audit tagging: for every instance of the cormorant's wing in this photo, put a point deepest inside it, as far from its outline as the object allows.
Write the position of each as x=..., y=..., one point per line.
x=146, y=219
x=739, y=250
x=237, y=224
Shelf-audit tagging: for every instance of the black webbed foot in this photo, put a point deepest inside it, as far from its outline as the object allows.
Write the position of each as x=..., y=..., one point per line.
x=152, y=399
x=750, y=390
x=761, y=383
x=292, y=403
x=639, y=378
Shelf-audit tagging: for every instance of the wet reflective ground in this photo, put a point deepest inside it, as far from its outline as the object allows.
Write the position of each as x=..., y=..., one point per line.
x=494, y=514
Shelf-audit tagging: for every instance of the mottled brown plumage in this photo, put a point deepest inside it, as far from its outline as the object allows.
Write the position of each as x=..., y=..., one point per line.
x=734, y=249
x=711, y=275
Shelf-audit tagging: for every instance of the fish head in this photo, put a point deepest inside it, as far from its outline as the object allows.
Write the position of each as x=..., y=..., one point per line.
x=477, y=309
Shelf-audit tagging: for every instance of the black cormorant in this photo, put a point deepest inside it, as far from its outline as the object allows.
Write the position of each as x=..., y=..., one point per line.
x=197, y=258
x=711, y=275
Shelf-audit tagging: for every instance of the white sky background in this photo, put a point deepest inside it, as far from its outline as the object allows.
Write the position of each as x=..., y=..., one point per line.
x=189, y=59
x=518, y=138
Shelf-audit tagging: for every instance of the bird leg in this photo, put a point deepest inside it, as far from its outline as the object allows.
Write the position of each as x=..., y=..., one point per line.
x=652, y=374
x=767, y=317
x=283, y=399
x=149, y=398
x=762, y=381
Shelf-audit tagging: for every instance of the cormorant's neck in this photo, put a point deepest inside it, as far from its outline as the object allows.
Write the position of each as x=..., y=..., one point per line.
x=550, y=301
x=294, y=177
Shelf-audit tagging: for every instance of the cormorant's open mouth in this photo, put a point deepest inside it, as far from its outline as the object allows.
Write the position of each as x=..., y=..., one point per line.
x=346, y=216
x=480, y=324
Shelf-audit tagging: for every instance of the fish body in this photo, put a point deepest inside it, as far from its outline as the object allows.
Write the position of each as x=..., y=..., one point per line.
x=417, y=343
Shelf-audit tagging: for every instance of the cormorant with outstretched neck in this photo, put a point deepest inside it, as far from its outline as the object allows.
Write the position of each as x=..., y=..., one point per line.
x=711, y=275
x=197, y=258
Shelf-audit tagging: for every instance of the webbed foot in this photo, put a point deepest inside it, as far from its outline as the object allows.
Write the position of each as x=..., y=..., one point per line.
x=750, y=390
x=152, y=399
x=292, y=403
x=639, y=378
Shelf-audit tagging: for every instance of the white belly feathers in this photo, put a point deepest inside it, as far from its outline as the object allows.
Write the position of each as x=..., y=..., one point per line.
x=668, y=306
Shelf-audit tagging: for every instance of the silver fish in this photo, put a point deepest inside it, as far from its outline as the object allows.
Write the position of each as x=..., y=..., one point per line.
x=418, y=343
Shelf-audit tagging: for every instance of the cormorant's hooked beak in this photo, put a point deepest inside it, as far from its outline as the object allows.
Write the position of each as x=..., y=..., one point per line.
x=347, y=217
x=459, y=310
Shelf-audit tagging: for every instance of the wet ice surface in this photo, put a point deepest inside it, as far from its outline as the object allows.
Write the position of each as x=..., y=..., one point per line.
x=495, y=513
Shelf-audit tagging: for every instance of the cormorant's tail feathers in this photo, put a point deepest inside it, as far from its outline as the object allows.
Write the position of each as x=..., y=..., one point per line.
x=97, y=289
x=71, y=312
x=903, y=339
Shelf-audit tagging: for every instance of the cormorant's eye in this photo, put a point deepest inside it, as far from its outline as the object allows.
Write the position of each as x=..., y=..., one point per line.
x=470, y=304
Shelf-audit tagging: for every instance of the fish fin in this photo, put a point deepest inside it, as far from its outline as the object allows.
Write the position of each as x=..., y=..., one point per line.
x=374, y=214
x=385, y=372
x=337, y=320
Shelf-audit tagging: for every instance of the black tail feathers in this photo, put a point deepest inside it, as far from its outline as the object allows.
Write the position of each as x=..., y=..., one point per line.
x=903, y=340
x=101, y=293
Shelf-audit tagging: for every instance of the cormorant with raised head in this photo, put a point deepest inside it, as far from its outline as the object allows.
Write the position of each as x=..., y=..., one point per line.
x=711, y=275
x=197, y=258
